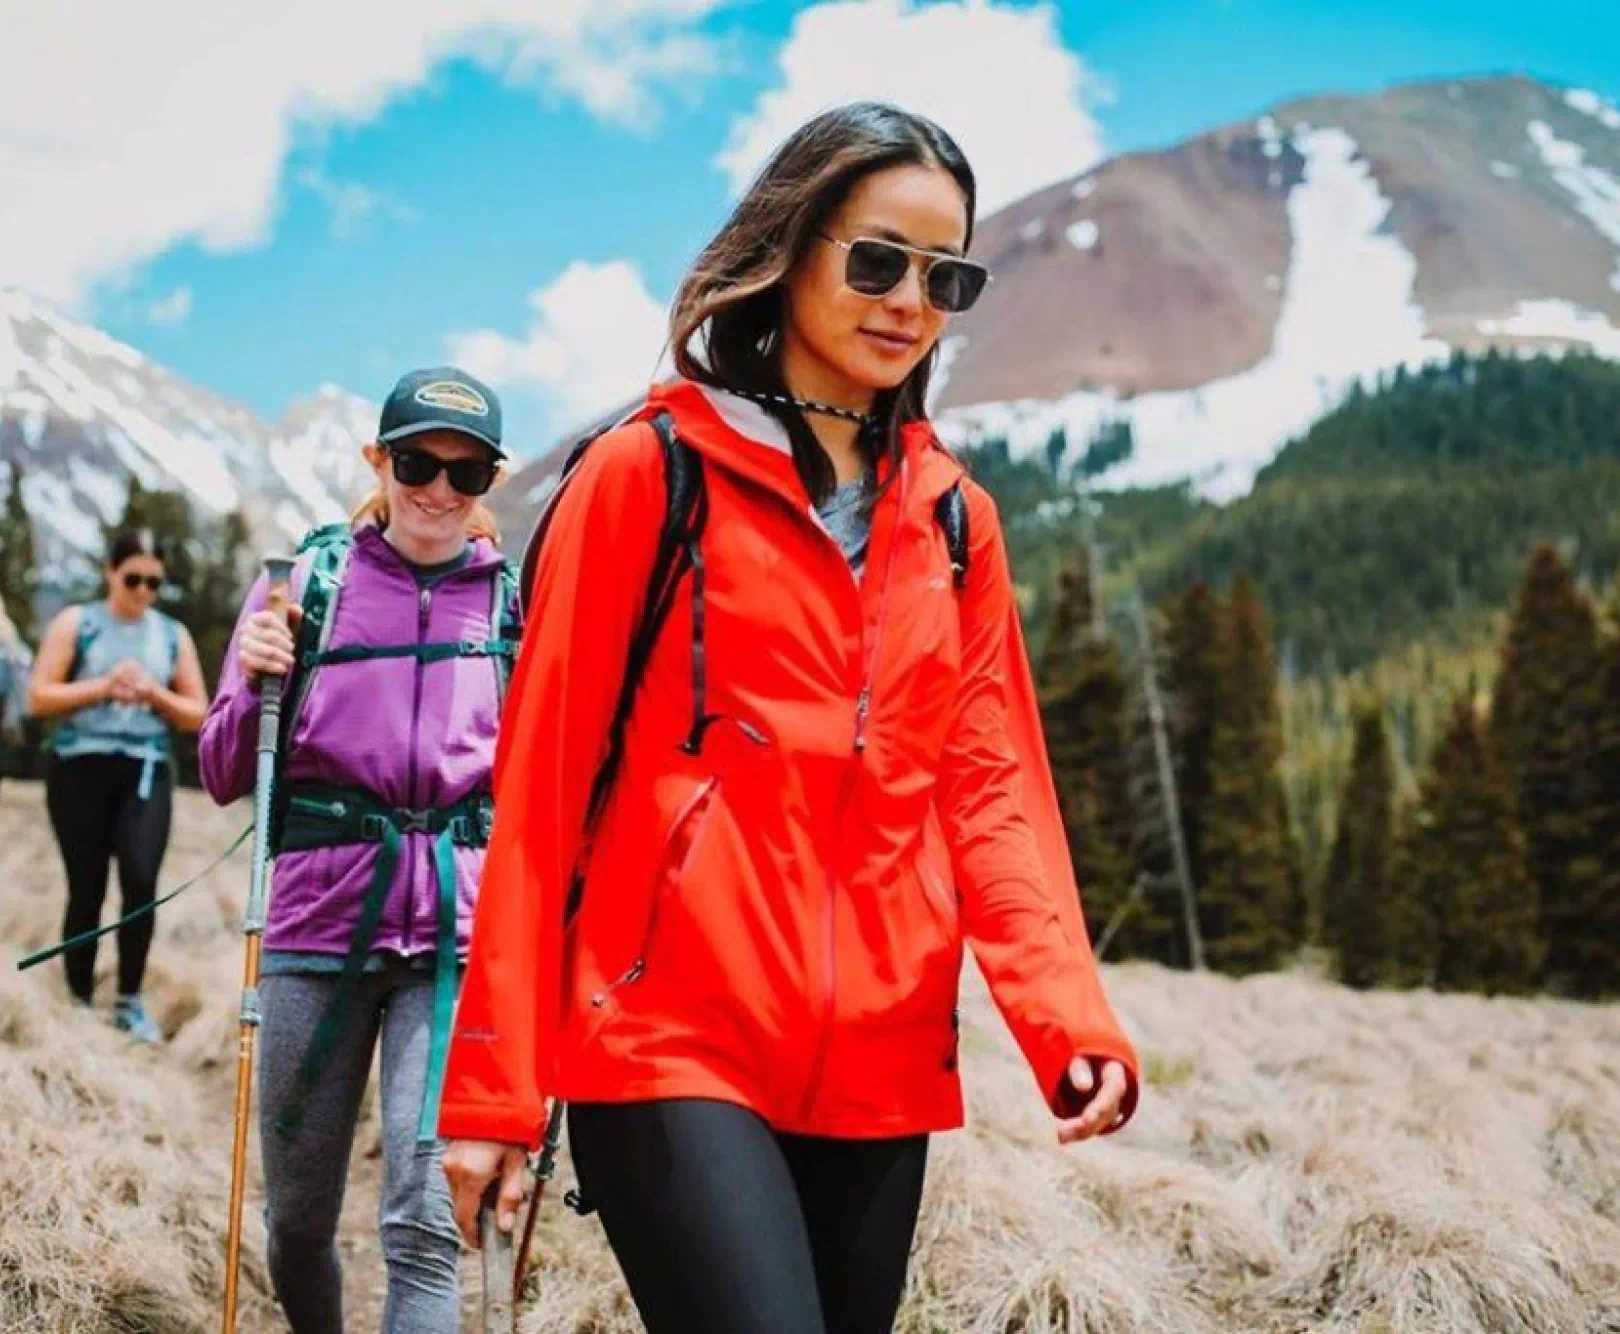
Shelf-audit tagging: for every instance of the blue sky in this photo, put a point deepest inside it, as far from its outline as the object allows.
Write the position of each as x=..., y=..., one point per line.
x=307, y=222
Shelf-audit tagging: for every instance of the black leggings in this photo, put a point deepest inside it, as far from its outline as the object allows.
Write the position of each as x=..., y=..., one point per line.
x=97, y=814
x=723, y=1225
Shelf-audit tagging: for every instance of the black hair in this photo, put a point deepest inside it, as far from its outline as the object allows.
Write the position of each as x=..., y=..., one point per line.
x=133, y=542
x=731, y=302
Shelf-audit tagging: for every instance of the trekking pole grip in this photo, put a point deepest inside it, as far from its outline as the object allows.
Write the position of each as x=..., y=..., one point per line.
x=278, y=570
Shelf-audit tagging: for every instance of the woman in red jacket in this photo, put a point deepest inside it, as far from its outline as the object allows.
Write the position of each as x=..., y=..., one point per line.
x=740, y=970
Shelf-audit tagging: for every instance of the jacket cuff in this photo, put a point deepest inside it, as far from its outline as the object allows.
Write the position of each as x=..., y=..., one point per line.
x=1052, y=1069
x=502, y=1123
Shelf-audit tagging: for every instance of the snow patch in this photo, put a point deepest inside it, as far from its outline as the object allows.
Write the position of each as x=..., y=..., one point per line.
x=1084, y=188
x=1031, y=231
x=1504, y=171
x=49, y=500
x=1083, y=235
x=106, y=492
x=1270, y=137
x=10, y=354
x=1599, y=108
x=1596, y=193
x=1347, y=315
x=950, y=348
x=1559, y=322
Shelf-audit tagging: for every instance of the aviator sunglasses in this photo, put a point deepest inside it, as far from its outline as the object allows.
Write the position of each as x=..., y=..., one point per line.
x=416, y=467
x=875, y=268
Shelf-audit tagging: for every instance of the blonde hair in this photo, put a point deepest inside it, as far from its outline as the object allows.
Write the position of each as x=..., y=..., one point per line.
x=481, y=521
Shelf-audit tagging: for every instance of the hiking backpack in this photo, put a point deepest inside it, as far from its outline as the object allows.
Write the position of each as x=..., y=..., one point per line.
x=307, y=814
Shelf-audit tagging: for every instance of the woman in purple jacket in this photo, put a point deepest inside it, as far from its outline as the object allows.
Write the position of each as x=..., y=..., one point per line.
x=404, y=627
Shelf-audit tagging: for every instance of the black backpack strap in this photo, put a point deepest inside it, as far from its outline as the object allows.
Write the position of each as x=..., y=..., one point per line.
x=686, y=511
x=951, y=514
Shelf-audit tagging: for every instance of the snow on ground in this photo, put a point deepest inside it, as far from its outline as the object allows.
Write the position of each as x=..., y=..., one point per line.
x=1270, y=137
x=1599, y=108
x=1084, y=188
x=1558, y=322
x=1032, y=230
x=1083, y=235
x=1347, y=314
x=1596, y=193
x=1504, y=171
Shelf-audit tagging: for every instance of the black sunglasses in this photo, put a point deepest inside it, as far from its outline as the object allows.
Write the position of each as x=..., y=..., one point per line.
x=416, y=467
x=876, y=268
x=153, y=582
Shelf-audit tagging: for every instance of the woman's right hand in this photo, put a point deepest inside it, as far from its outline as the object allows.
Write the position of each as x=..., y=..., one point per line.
x=471, y=1165
x=266, y=645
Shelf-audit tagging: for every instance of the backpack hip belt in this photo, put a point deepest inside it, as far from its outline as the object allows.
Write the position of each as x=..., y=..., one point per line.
x=322, y=816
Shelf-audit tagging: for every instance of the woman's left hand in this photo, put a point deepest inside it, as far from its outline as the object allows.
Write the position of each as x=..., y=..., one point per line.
x=1102, y=1094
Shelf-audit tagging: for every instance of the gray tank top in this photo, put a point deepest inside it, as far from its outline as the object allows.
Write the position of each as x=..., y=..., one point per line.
x=110, y=728
x=847, y=513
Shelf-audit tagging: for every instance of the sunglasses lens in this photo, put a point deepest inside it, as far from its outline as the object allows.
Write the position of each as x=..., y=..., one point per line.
x=414, y=468
x=875, y=267
x=955, y=284
x=471, y=477
x=134, y=581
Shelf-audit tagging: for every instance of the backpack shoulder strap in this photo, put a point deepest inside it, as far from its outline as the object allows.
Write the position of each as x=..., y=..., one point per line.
x=685, y=513
x=328, y=549
x=84, y=635
x=951, y=514
x=505, y=617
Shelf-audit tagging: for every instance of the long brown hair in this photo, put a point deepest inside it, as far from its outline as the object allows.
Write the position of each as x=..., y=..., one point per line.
x=373, y=509
x=732, y=300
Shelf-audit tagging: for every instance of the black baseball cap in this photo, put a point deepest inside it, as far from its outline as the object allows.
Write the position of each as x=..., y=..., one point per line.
x=442, y=398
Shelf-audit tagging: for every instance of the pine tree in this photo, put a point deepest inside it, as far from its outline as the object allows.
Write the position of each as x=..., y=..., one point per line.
x=1544, y=714
x=1357, y=889
x=1083, y=714
x=1468, y=866
x=1605, y=922
x=18, y=572
x=1164, y=922
x=1192, y=678
x=1246, y=899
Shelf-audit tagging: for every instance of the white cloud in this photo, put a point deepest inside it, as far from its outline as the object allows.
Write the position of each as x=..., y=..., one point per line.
x=353, y=204
x=998, y=78
x=595, y=337
x=175, y=308
x=127, y=128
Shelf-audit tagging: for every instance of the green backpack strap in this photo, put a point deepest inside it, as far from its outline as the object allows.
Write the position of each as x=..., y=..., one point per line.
x=328, y=548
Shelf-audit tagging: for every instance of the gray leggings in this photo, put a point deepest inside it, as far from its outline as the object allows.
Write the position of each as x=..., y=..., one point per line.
x=305, y=1172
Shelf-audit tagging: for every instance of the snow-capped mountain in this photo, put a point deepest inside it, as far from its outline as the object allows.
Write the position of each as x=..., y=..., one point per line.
x=81, y=413
x=1222, y=294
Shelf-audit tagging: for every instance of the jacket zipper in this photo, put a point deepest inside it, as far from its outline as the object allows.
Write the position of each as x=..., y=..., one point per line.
x=863, y=709
x=638, y=965
x=424, y=603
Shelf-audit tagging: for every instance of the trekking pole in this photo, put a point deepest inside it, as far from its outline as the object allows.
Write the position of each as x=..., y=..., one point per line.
x=496, y=1248
x=277, y=569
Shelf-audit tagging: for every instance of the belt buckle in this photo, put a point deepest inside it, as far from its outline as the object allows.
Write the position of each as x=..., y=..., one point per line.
x=411, y=822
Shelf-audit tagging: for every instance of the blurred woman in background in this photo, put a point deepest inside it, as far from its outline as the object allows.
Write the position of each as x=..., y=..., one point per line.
x=120, y=676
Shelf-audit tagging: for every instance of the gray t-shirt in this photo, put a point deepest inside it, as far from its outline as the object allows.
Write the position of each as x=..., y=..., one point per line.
x=847, y=512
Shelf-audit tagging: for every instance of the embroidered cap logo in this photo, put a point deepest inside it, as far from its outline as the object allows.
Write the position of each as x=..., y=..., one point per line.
x=456, y=397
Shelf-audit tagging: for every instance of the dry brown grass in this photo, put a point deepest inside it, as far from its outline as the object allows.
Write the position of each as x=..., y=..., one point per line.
x=1305, y=1159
